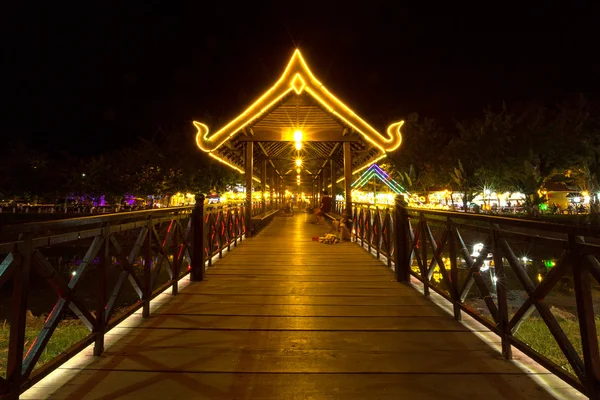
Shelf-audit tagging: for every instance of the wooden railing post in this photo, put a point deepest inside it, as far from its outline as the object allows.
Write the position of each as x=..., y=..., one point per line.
x=147, y=294
x=400, y=242
x=197, y=267
x=585, y=314
x=502, y=297
x=18, y=318
x=103, y=266
x=454, y=290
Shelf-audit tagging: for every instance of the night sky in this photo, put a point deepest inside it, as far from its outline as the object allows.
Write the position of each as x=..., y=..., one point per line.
x=89, y=80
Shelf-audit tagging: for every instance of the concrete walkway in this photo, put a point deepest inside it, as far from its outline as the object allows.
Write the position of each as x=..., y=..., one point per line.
x=284, y=317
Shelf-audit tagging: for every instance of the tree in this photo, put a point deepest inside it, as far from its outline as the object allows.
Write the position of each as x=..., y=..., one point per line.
x=548, y=141
x=416, y=164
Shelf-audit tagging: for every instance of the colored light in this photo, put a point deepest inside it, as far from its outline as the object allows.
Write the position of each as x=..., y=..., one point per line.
x=298, y=170
x=298, y=136
x=298, y=162
x=375, y=171
x=298, y=145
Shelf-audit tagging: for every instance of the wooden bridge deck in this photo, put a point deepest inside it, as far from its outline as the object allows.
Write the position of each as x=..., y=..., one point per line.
x=283, y=317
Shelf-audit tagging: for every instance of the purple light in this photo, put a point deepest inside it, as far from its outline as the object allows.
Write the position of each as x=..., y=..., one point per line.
x=381, y=172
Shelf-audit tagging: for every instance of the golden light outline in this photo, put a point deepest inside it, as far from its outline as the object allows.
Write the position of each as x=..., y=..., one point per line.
x=298, y=77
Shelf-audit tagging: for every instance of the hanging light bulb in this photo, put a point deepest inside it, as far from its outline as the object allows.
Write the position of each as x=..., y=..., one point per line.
x=298, y=135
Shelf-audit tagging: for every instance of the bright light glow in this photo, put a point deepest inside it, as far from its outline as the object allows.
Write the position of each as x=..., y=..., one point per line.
x=298, y=170
x=477, y=249
x=297, y=77
x=298, y=162
x=298, y=136
x=525, y=259
x=298, y=145
x=494, y=279
x=298, y=176
x=74, y=273
x=539, y=277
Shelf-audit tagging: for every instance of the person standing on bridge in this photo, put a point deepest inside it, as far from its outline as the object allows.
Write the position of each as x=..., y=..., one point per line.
x=324, y=208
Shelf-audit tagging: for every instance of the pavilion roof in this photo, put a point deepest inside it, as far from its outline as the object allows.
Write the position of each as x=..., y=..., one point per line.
x=298, y=101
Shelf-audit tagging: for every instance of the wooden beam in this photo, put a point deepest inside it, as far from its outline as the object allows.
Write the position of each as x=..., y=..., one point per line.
x=330, y=135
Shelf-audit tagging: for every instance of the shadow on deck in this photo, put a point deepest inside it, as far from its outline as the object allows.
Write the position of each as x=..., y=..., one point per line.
x=284, y=317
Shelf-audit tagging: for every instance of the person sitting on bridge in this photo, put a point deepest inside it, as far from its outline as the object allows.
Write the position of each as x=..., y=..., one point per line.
x=324, y=208
x=343, y=227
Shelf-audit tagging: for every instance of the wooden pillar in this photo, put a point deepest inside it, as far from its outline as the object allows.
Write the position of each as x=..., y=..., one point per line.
x=263, y=182
x=348, y=175
x=272, y=205
x=198, y=262
x=333, y=186
x=249, y=167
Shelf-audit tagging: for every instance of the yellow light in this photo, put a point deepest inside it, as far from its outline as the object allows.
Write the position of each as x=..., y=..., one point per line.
x=298, y=162
x=297, y=77
x=298, y=177
x=298, y=183
x=298, y=136
x=297, y=170
x=298, y=145
x=226, y=163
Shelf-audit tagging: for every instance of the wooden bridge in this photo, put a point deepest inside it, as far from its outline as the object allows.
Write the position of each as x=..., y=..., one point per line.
x=285, y=317
x=279, y=316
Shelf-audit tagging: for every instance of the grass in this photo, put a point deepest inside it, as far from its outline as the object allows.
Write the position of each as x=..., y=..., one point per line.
x=67, y=333
x=536, y=334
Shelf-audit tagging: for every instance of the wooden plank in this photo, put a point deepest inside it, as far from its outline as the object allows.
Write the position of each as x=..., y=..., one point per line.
x=274, y=310
x=227, y=283
x=409, y=299
x=237, y=322
x=323, y=272
x=318, y=386
x=302, y=291
x=299, y=340
x=301, y=361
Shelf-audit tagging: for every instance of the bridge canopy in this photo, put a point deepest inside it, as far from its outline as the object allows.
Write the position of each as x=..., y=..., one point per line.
x=298, y=108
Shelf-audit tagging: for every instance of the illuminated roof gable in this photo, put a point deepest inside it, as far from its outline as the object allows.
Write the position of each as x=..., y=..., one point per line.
x=298, y=78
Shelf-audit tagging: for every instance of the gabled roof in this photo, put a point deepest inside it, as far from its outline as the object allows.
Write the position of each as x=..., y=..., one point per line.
x=297, y=78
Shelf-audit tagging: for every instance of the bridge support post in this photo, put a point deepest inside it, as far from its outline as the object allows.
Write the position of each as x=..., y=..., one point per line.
x=401, y=243
x=333, y=187
x=263, y=182
x=348, y=175
x=249, y=167
x=197, y=267
x=272, y=203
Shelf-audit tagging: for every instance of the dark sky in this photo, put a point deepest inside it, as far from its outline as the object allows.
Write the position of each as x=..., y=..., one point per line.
x=91, y=79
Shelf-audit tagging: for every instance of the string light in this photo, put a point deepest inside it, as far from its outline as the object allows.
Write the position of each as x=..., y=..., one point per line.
x=298, y=162
x=297, y=77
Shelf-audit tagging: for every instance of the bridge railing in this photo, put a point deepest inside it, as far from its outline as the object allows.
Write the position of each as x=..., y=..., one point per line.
x=100, y=270
x=532, y=283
